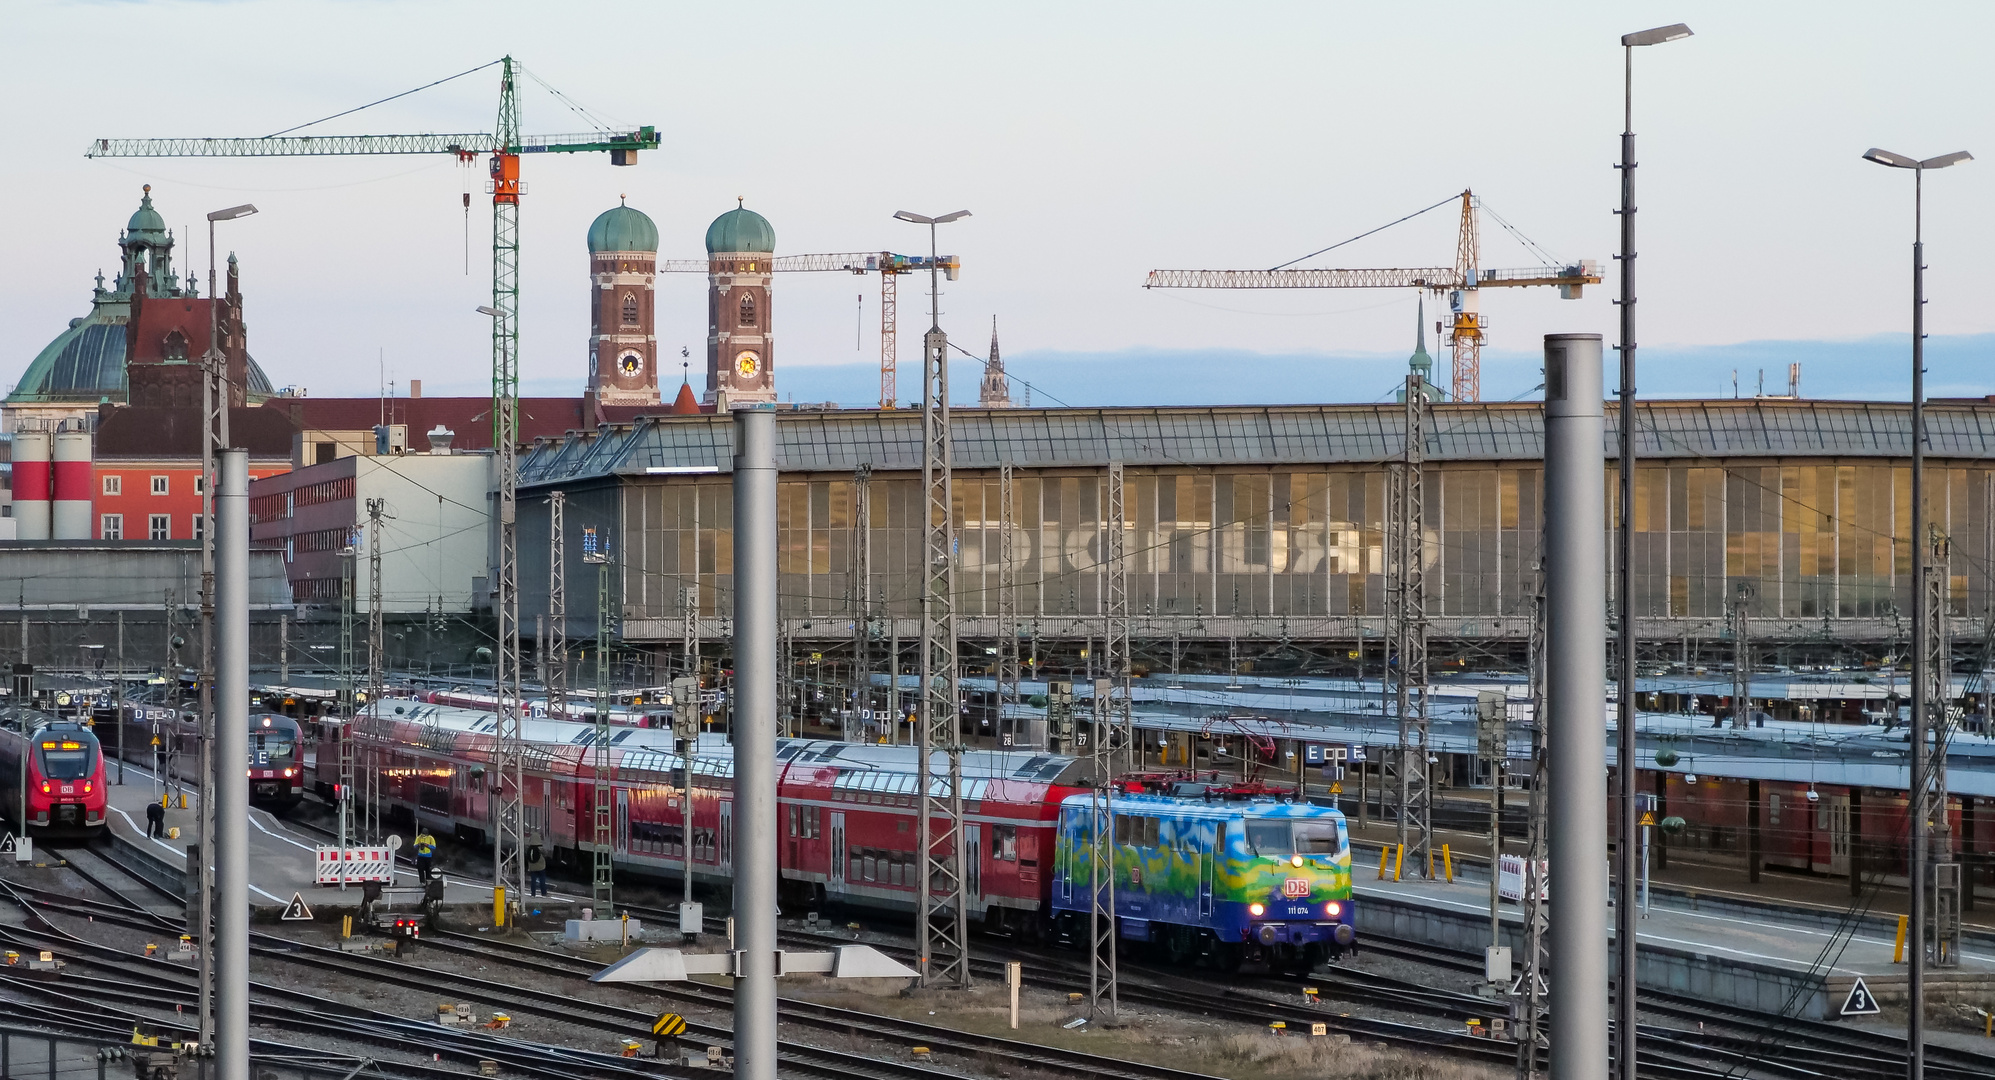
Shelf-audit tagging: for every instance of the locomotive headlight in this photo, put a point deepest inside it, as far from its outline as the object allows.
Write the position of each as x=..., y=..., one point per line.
x=44, y=787
x=1295, y=860
x=1333, y=909
x=86, y=787
x=1255, y=910
x=289, y=773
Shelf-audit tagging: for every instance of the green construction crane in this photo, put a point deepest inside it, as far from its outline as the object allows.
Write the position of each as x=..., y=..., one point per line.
x=506, y=145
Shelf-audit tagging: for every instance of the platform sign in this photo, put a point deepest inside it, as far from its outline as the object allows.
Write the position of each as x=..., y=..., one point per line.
x=1860, y=1001
x=297, y=910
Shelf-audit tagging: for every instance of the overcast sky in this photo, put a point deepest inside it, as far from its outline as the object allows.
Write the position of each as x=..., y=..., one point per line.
x=1092, y=142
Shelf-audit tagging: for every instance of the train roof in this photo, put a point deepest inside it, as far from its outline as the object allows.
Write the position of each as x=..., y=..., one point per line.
x=857, y=766
x=1194, y=807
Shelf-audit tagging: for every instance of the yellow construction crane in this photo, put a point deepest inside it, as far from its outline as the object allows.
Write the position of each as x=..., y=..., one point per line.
x=1461, y=282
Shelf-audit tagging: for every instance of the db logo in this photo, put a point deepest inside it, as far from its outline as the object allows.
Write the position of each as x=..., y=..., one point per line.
x=1295, y=887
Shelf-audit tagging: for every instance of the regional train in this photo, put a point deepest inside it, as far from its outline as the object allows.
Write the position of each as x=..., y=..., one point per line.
x=276, y=760
x=51, y=775
x=1224, y=872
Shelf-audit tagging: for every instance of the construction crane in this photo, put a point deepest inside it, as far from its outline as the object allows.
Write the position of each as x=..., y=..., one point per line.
x=506, y=146
x=1461, y=282
x=884, y=263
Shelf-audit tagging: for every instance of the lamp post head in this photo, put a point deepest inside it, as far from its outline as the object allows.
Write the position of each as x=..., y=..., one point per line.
x=1900, y=161
x=232, y=213
x=1657, y=36
x=922, y=219
x=484, y=310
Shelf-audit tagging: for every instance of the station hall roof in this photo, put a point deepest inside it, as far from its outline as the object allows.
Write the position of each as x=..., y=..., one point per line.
x=843, y=440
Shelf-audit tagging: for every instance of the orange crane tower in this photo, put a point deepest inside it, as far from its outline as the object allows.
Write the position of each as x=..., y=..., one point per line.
x=1462, y=283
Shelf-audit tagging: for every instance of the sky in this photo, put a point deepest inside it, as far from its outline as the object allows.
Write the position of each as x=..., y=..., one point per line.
x=1092, y=143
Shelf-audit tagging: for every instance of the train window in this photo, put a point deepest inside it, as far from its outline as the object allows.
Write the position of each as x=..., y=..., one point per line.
x=65, y=760
x=1316, y=837
x=812, y=823
x=1270, y=837
x=1773, y=809
x=793, y=821
x=1004, y=843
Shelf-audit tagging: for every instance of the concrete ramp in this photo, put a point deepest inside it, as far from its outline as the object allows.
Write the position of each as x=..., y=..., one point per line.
x=671, y=965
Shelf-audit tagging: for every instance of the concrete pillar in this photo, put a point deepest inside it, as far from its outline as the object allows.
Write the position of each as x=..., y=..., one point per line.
x=231, y=784
x=753, y=731
x=1576, y=685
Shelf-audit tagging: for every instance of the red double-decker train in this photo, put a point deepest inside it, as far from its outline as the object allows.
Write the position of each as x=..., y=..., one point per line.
x=848, y=820
x=51, y=775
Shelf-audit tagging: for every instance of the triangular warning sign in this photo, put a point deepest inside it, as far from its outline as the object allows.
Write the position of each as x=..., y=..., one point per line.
x=1648, y=818
x=7, y=844
x=1860, y=1002
x=296, y=911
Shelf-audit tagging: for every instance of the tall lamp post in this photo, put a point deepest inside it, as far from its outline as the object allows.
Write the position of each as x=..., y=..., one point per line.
x=942, y=929
x=1624, y=570
x=1915, y=1020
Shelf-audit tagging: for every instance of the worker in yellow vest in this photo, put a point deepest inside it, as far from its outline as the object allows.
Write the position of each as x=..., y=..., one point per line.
x=425, y=854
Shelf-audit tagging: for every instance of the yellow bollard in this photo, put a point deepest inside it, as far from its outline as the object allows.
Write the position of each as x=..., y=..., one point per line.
x=346, y=926
x=1398, y=859
x=499, y=906
x=1898, y=949
x=1448, y=863
x=1988, y=1024
x=183, y=800
x=1384, y=853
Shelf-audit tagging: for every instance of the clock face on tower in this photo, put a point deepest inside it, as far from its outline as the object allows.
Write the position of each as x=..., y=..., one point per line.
x=746, y=364
x=630, y=365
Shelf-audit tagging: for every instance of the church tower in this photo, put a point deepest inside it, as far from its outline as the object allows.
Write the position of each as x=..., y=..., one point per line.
x=995, y=391
x=623, y=342
x=740, y=346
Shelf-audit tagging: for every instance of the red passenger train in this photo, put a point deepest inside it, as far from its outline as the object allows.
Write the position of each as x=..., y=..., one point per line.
x=51, y=775
x=848, y=827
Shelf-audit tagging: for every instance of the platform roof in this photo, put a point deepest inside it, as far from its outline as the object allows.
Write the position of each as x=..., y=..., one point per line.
x=843, y=440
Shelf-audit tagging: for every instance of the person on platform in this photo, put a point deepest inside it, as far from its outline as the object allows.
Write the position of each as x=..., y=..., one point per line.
x=433, y=896
x=536, y=866
x=155, y=820
x=425, y=855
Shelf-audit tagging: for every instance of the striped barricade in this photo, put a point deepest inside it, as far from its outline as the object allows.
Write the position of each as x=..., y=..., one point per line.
x=359, y=864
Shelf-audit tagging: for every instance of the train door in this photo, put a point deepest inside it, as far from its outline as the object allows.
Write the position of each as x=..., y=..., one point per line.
x=623, y=821
x=727, y=836
x=1205, y=845
x=1839, y=834
x=836, y=872
x=973, y=867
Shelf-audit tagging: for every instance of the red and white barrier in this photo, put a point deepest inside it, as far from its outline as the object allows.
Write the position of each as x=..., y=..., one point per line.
x=358, y=864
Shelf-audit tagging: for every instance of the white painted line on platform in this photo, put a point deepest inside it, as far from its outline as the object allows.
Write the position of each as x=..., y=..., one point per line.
x=182, y=852
x=1879, y=942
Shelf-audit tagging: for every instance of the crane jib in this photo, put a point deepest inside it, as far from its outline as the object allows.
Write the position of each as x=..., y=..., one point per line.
x=644, y=138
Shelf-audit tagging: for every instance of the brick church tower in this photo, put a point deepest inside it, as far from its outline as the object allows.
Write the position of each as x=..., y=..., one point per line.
x=623, y=343
x=740, y=347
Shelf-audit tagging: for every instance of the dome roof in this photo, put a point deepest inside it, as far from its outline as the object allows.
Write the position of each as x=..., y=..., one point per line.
x=145, y=218
x=621, y=228
x=740, y=229
x=86, y=363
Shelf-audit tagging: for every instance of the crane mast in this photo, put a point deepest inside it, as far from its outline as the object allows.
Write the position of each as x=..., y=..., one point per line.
x=506, y=146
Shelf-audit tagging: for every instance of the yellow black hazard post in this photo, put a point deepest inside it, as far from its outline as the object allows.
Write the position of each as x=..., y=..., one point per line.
x=668, y=1027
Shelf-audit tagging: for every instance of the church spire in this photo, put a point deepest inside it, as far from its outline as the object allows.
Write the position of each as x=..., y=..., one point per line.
x=995, y=391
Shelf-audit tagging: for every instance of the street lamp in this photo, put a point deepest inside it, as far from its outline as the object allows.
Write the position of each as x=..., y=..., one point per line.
x=1915, y=1022
x=1624, y=562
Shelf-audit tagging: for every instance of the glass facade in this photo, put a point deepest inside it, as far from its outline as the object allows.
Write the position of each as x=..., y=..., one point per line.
x=1818, y=541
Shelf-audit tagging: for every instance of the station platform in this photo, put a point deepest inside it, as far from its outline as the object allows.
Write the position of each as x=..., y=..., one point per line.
x=1751, y=952
x=282, y=859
